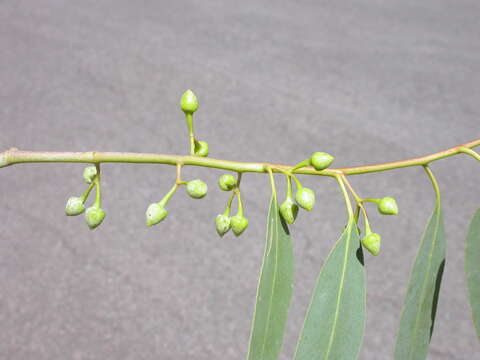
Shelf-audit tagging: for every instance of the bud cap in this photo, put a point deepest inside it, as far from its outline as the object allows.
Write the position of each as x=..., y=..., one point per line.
x=189, y=102
x=239, y=224
x=305, y=198
x=94, y=216
x=74, y=206
x=197, y=189
x=227, y=182
x=222, y=223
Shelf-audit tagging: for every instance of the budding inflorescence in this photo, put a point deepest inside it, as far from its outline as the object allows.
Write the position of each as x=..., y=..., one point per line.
x=94, y=215
x=303, y=198
x=385, y=206
x=223, y=222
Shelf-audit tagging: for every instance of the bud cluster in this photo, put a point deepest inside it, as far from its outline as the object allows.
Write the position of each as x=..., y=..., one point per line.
x=223, y=222
x=94, y=215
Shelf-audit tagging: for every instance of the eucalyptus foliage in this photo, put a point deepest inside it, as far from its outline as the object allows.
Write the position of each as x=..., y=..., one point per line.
x=335, y=320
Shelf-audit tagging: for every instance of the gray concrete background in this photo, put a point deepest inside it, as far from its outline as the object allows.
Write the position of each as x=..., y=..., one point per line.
x=368, y=82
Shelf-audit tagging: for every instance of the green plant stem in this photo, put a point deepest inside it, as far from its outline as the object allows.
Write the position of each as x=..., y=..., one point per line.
x=470, y=152
x=372, y=200
x=14, y=156
x=272, y=181
x=229, y=204
x=191, y=135
x=98, y=189
x=178, y=179
x=434, y=183
x=288, y=179
x=84, y=196
x=297, y=182
x=169, y=195
x=341, y=182
x=360, y=206
x=301, y=164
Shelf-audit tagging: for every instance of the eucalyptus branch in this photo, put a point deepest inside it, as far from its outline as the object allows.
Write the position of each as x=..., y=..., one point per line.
x=14, y=156
x=339, y=297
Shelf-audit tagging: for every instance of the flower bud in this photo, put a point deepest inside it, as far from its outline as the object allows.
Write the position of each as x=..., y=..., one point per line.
x=155, y=213
x=189, y=102
x=197, y=189
x=227, y=182
x=222, y=223
x=371, y=242
x=94, y=216
x=305, y=198
x=74, y=206
x=321, y=160
x=89, y=174
x=289, y=211
x=388, y=206
x=201, y=148
x=238, y=223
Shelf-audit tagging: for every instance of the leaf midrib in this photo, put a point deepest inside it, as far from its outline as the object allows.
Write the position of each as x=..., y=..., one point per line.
x=340, y=291
x=275, y=230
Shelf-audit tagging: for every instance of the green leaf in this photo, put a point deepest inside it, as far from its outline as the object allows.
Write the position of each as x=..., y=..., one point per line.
x=274, y=289
x=418, y=317
x=335, y=320
x=472, y=258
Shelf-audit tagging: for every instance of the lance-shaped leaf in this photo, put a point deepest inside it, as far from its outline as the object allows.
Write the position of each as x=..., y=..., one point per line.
x=274, y=289
x=472, y=259
x=418, y=317
x=335, y=320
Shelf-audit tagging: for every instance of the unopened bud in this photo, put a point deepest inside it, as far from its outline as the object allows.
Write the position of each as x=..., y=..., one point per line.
x=227, y=182
x=321, y=160
x=222, y=223
x=201, y=148
x=239, y=224
x=371, y=242
x=388, y=206
x=189, y=102
x=305, y=198
x=197, y=189
x=94, y=216
x=289, y=211
x=155, y=213
x=74, y=206
x=89, y=174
